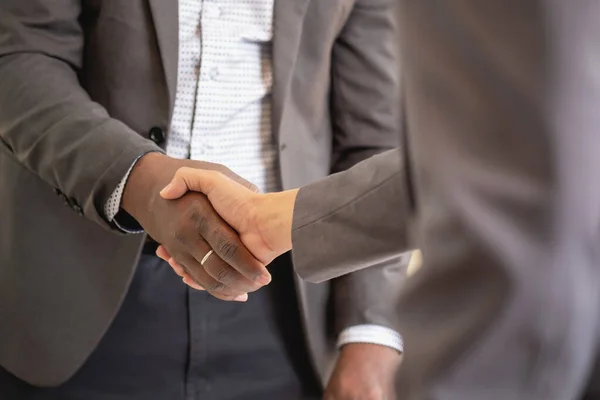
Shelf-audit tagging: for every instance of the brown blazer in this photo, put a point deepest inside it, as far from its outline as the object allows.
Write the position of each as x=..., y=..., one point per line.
x=498, y=186
x=82, y=82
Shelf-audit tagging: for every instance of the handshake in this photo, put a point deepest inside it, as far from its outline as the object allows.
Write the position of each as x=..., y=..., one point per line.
x=215, y=230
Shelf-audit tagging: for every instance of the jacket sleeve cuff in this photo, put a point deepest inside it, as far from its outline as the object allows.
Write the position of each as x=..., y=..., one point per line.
x=112, y=208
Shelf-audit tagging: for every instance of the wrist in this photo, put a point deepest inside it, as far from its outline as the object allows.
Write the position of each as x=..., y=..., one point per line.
x=386, y=355
x=276, y=213
x=148, y=176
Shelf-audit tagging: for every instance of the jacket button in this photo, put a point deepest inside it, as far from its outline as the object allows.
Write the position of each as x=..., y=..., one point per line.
x=157, y=135
x=78, y=209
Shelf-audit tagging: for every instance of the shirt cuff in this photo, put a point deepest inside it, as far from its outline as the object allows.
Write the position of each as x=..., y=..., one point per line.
x=372, y=334
x=113, y=205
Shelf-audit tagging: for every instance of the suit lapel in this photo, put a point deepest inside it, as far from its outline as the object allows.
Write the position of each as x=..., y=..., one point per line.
x=165, y=17
x=287, y=30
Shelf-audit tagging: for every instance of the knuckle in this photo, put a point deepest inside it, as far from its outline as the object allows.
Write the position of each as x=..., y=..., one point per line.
x=224, y=275
x=199, y=220
x=215, y=173
x=215, y=234
x=227, y=249
x=182, y=171
x=215, y=286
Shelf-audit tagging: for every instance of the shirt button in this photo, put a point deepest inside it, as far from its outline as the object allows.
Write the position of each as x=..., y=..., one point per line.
x=213, y=12
x=157, y=135
x=213, y=74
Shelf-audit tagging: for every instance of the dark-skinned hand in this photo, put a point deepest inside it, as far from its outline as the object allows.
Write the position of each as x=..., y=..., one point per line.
x=189, y=227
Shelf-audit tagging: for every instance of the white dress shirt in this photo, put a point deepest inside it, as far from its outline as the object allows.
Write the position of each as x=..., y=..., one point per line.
x=222, y=110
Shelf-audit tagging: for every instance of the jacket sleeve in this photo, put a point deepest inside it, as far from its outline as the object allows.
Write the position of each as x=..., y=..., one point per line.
x=364, y=101
x=352, y=219
x=47, y=120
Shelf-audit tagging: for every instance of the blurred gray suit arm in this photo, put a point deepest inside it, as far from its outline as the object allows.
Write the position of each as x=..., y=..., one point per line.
x=47, y=120
x=364, y=103
x=503, y=124
x=352, y=219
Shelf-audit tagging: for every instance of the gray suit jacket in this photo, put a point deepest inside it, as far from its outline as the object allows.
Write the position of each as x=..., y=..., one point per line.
x=501, y=138
x=81, y=84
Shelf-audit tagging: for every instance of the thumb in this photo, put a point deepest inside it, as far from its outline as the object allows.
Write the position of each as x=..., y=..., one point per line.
x=189, y=179
x=175, y=189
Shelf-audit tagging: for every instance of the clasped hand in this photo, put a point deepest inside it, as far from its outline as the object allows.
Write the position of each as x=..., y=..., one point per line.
x=262, y=226
x=262, y=221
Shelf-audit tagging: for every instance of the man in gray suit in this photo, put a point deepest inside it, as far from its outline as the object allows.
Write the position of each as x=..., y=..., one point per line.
x=501, y=118
x=92, y=94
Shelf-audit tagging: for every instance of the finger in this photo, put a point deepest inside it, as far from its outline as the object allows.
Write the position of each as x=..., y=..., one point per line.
x=187, y=279
x=162, y=253
x=231, y=250
x=242, y=298
x=190, y=282
x=199, y=224
x=236, y=178
x=198, y=275
x=174, y=190
x=179, y=270
x=227, y=245
x=190, y=179
x=252, y=187
x=224, y=273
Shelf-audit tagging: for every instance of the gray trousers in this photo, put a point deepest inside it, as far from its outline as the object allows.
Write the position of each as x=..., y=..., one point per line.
x=172, y=343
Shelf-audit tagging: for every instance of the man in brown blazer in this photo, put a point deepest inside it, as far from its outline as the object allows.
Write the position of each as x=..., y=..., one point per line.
x=92, y=95
x=497, y=185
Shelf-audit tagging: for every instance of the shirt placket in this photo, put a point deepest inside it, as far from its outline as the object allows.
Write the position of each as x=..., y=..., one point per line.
x=206, y=113
x=179, y=143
